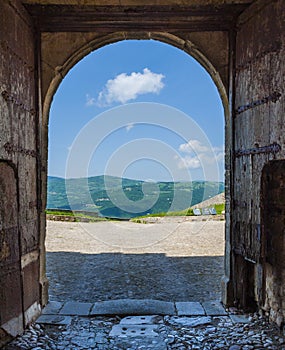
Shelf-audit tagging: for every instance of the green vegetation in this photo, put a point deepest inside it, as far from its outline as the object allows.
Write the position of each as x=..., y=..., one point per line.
x=186, y=212
x=89, y=216
x=58, y=212
x=219, y=208
x=98, y=195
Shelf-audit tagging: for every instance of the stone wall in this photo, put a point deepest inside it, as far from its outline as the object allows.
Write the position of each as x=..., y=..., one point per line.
x=248, y=68
x=19, y=157
x=259, y=137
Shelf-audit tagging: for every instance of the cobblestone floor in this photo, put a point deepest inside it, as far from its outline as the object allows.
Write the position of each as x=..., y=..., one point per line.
x=168, y=332
x=176, y=260
x=181, y=261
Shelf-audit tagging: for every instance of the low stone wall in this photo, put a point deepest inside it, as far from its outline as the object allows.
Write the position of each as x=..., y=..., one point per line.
x=163, y=219
x=68, y=218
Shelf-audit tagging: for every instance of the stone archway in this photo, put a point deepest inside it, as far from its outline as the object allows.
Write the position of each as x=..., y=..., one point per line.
x=243, y=40
x=82, y=50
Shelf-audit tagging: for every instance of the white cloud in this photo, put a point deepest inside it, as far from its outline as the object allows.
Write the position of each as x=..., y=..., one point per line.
x=130, y=126
x=90, y=101
x=198, y=154
x=193, y=146
x=219, y=154
x=124, y=88
x=188, y=162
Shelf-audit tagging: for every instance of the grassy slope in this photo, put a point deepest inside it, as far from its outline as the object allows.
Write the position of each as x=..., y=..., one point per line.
x=186, y=212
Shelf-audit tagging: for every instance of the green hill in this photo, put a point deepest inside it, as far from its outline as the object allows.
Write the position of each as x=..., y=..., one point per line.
x=126, y=198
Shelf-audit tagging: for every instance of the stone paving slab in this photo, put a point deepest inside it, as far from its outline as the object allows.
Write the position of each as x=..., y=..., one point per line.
x=189, y=309
x=133, y=307
x=140, y=320
x=52, y=308
x=190, y=321
x=137, y=307
x=214, y=308
x=74, y=308
x=54, y=320
x=239, y=318
x=134, y=331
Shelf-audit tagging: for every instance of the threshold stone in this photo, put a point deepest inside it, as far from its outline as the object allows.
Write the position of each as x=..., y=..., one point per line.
x=133, y=307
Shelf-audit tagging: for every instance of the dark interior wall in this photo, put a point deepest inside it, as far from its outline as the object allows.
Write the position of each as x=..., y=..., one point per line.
x=10, y=269
x=259, y=136
x=273, y=239
x=19, y=230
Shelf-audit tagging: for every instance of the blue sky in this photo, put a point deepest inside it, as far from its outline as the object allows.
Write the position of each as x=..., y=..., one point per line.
x=127, y=78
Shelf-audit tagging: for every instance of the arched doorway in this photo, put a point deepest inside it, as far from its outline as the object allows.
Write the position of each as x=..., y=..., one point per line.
x=93, y=45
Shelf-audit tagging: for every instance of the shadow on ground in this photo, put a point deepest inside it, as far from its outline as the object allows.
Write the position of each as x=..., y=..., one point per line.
x=96, y=277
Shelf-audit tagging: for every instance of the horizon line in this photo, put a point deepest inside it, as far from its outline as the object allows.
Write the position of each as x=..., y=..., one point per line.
x=128, y=178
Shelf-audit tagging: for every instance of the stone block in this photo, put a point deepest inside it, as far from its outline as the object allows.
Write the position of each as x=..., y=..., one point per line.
x=134, y=331
x=190, y=321
x=54, y=320
x=214, y=308
x=189, y=309
x=76, y=308
x=52, y=308
x=133, y=307
x=140, y=320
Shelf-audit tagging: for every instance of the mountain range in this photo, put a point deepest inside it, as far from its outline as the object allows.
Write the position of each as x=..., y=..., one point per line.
x=123, y=198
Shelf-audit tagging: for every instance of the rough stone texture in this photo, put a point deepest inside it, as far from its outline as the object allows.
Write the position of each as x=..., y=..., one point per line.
x=133, y=307
x=95, y=333
x=259, y=122
x=140, y=320
x=134, y=331
x=53, y=307
x=214, y=308
x=54, y=319
x=191, y=321
x=189, y=309
x=273, y=219
x=75, y=308
x=19, y=182
x=10, y=274
x=142, y=307
x=57, y=62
